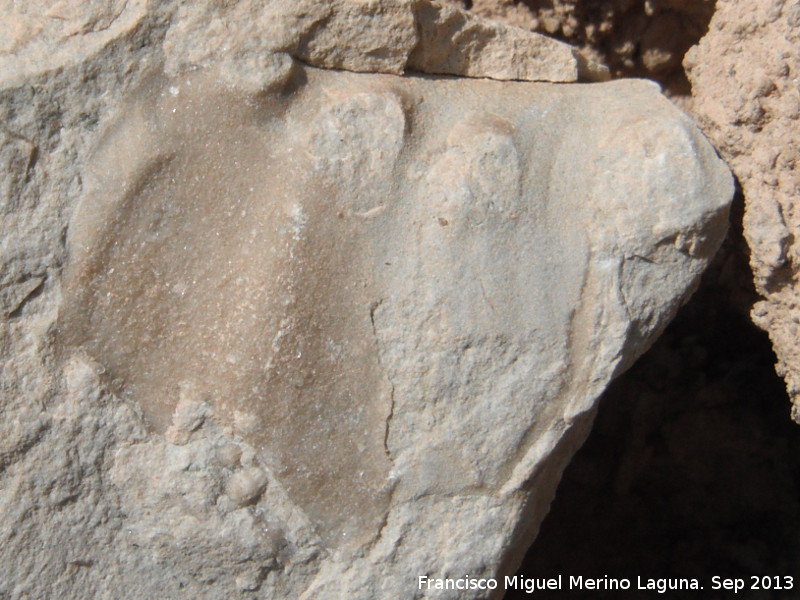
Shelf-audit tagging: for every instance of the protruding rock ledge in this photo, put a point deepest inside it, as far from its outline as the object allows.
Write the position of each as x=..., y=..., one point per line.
x=380, y=36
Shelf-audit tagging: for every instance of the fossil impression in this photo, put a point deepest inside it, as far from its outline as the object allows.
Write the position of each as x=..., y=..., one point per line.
x=391, y=286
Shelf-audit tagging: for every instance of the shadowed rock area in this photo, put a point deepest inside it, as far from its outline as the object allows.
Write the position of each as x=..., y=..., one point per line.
x=704, y=480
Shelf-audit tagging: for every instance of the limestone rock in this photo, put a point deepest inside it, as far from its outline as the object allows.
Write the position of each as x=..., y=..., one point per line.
x=285, y=332
x=744, y=81
x=456, y=42
x=387, y=36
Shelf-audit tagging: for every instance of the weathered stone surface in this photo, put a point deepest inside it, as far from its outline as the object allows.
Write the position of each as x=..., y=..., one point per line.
x=386, y=36
x=634, y=38
x=282, y=332
x=744, y=81
x=456, y=42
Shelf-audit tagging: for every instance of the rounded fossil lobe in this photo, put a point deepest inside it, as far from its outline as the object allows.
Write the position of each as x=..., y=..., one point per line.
x=209, y=251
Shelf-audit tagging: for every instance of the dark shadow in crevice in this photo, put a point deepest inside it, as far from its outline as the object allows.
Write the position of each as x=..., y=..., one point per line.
x=693, y=466
x=633, y=38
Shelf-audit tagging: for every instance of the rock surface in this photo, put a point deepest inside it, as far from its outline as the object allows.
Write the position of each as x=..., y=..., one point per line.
x=635, y=38
x=744, y=77
x=744, y=96
x=252, y=348
x=385, y=36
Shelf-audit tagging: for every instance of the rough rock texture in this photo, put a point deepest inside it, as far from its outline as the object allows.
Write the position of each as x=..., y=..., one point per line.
x=253, y=349
x=744, y=77
x=639, y=38
x=456, y=42
x=386, y=36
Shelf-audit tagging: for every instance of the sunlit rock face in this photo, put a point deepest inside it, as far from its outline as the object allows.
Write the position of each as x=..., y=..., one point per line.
x=271, y=331
x=394, y=288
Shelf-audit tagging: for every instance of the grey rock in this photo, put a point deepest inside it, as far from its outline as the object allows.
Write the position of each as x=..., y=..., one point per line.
x=281, y=332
